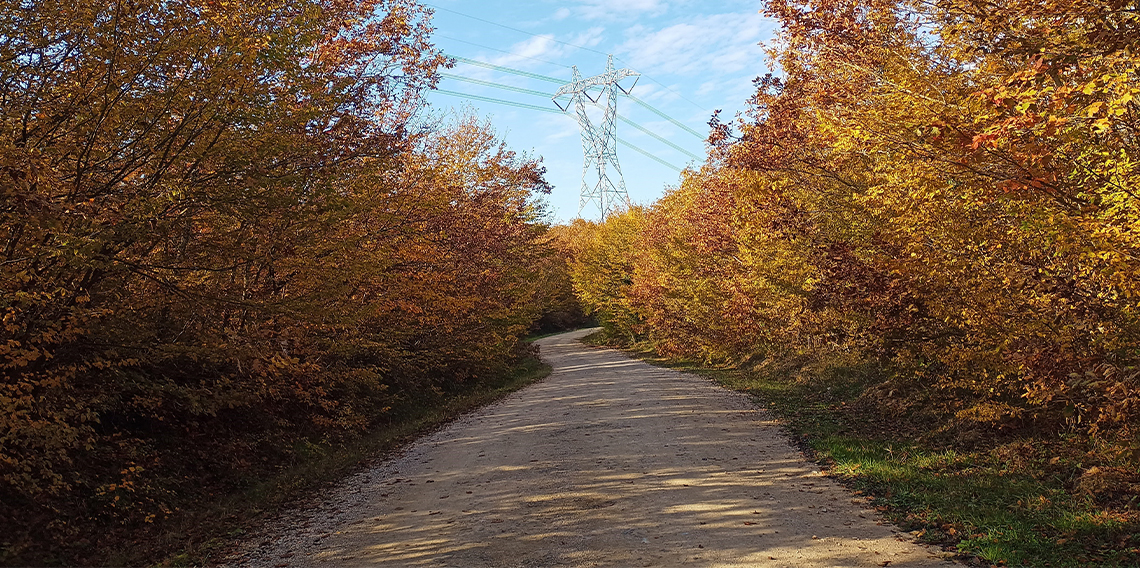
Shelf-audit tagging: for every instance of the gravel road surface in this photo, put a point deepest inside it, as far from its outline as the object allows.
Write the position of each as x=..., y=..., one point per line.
x=607, y=462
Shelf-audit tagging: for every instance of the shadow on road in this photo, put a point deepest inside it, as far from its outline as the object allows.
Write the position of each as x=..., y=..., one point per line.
x=610, y=462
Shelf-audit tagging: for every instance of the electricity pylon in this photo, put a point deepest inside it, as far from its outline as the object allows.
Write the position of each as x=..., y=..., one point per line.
x=599, y=143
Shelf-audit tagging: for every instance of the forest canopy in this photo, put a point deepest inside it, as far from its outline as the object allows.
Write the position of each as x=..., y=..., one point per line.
x=947, y=188
x=228, y=230
x=920, y=248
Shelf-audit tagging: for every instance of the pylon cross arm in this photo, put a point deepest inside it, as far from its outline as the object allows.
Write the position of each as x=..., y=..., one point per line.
x=599, y=146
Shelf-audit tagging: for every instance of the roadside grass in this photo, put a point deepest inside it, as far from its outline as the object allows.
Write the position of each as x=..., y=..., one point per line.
x=537, y=336
x=1010, y=502
x=203, y=535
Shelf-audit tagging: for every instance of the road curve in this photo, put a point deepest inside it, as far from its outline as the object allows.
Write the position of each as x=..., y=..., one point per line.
x=607, y=462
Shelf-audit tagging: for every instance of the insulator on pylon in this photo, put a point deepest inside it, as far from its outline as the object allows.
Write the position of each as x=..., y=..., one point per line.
x=599, y=142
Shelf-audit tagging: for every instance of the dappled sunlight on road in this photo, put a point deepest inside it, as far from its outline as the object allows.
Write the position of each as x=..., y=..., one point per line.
x=609, y=462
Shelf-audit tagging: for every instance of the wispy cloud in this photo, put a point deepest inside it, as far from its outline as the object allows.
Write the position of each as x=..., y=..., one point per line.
x=709, y=45
x=613, y=9
x=557, y=128
x=520, y=53
x=539, y=49
x=589, y=37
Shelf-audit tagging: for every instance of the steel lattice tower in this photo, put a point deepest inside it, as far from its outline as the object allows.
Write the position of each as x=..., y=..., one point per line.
x=599, y=143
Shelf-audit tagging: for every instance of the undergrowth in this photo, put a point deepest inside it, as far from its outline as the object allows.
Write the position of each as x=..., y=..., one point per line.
x=201, y=533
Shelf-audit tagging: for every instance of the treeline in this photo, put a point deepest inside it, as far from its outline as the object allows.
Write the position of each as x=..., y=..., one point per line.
x=227, y=232
x=945, y=190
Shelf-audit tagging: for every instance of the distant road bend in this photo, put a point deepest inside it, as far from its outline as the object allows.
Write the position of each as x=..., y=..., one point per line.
x=608, y=462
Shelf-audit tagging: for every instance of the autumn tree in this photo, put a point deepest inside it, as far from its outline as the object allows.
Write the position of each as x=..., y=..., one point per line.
x=602, y=266
x=228, y=231
x=945, y=188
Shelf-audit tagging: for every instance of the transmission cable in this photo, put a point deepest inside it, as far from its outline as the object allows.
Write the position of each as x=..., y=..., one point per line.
x=664, y=86
x=552, y=79
x=500, y=101
x=548, y=95
x=659, y=83
x=665, y=116
x=650, y=156
x=514, y=29
x=644, y=104
x=512, y=54
x=550, y=110
x=496, y=85
x=507, y=69
x=660, y=139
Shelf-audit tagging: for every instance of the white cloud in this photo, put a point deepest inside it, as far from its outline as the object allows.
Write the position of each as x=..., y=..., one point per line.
x=613, y=9
x=588, y=38
x=536, y=50
x=536, y=46
x=653, y=93
x=708, y=88
x=710, y=45
x=558, y=128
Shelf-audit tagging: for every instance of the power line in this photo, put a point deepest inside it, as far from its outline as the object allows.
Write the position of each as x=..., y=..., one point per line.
x=665, y=116
x=548, y=95
x=663, y=86
x=496, y=85
x=562, y=81
x=599, y=143
x=550, y=110
x=662, y=140
x=478, y=19
x=650, y=156
x=500, y=101
x=506, y=69
x=502, y=51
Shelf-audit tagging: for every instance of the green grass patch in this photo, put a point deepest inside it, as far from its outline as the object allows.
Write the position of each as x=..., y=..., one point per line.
x=535, y=337
x=1009, y=502
x=201, y=536
x=602, y=338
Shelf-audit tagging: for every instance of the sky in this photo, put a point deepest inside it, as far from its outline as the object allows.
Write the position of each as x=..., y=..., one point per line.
x=694, y=56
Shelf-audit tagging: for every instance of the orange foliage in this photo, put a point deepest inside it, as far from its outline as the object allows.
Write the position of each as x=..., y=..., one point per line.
x=223, y=230
x=949, y=188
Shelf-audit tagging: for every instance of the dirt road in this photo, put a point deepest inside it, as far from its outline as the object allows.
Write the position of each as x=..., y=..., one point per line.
x=608, y=462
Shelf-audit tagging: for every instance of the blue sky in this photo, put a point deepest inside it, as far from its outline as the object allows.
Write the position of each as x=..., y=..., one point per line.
x=695, y=56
